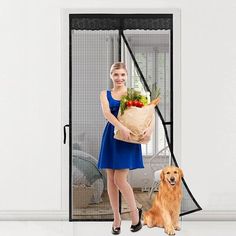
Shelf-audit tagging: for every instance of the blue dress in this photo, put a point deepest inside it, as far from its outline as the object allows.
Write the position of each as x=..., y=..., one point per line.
x=116, y=154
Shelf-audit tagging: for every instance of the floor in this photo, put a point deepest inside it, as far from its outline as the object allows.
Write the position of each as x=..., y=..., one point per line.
x=65, y=228
x=103, y=210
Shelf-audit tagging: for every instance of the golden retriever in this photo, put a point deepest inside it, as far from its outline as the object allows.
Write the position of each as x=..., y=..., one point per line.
x=165, y=209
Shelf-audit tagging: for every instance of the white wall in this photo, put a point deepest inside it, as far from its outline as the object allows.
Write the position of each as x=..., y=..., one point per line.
x=32, y=169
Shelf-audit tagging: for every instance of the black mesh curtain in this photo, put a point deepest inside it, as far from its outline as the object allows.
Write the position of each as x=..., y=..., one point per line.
x=144, y=42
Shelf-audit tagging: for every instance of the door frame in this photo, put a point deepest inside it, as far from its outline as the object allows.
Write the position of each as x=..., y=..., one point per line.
x=65, y=99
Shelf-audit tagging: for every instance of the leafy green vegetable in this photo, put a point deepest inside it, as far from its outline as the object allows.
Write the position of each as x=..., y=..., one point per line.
x=155, y=93
x=123, y=104
x=132, y=95
x=144, y=100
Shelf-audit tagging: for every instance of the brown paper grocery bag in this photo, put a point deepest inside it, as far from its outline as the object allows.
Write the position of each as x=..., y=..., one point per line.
x=137, y=120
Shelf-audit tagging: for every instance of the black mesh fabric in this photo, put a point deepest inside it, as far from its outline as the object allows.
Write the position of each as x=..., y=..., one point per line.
x=149, y=55
x=91, y=55
x=144, y=43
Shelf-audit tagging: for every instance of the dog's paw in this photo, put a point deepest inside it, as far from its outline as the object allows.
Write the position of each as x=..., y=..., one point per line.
x=150, y=226
x=177, y=227
x=170, y=231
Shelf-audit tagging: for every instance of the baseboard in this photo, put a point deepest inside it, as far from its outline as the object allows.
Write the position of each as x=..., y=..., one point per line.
x=54, y=215
x=62, y=215
x=211, y=216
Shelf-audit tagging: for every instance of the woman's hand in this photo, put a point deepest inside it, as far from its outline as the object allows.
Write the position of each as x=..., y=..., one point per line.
x=126, y=132
x=146, y=133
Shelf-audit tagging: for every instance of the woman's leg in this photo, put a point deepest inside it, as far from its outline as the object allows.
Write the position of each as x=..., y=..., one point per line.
x=113, y=194
x=120, y=179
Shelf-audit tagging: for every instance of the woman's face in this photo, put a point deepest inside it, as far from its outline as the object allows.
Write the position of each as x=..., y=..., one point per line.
x=119, y=77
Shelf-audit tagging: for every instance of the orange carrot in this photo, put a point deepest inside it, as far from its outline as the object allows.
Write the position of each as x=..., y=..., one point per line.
x=155, y=101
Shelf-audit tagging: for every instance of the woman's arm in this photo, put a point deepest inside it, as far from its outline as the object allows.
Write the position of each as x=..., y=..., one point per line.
x=110, y=117
x=107, y=112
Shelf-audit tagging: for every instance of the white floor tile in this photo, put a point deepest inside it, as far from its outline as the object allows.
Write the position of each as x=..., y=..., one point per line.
x=64, y=228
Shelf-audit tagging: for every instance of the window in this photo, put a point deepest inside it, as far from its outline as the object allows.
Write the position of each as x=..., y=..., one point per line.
x=148, y=60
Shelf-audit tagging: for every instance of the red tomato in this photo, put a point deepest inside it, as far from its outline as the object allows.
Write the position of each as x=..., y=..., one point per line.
x=135, y=103
x=129, y=103
x=140, y=104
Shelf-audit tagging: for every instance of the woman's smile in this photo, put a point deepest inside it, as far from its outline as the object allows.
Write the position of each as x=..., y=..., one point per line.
x=119, y=81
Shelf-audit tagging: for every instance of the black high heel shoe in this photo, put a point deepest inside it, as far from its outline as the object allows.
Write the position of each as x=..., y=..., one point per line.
x=137, y=227
x=116, y=230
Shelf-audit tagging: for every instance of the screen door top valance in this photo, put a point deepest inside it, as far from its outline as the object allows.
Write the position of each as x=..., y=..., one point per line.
x=121, y=21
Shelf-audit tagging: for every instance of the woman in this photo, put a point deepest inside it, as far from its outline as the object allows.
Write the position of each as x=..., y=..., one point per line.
x=118, y=157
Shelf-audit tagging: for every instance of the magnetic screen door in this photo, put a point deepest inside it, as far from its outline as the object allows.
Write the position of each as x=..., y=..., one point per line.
x=145, y=43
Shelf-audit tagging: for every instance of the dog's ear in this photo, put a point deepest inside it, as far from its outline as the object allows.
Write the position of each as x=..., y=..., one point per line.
x=162, y=176
x=181, y=174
